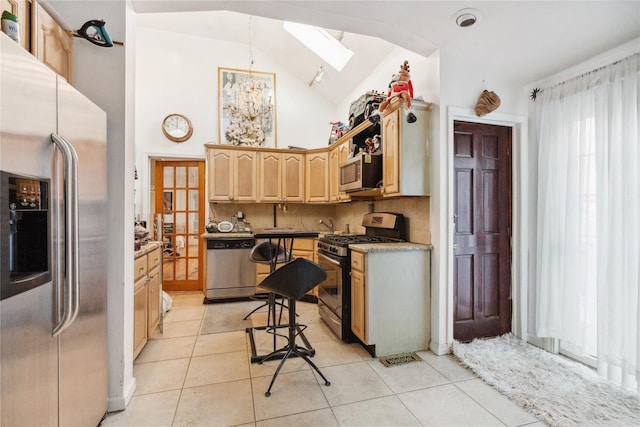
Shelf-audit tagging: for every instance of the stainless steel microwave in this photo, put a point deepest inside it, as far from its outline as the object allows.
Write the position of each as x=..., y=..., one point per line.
x=362, y=172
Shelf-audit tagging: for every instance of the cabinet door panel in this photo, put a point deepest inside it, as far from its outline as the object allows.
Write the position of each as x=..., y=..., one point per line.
x=51, y=44
x=391, y=160
x=358, y=305
x=153, y=308
x=22, y=10
x=316, y=174
x=293, y=177
x=139, y=316
x=270, y=177
x=220, y=175
x=245, y=174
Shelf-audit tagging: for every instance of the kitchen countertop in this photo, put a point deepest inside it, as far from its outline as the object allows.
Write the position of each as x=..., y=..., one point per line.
x=149, y=247
x=282, y=232
x=226, y=235
x=390, y=247
x=248, y=234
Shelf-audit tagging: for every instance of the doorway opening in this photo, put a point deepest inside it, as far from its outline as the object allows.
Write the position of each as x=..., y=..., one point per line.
x=179, y=199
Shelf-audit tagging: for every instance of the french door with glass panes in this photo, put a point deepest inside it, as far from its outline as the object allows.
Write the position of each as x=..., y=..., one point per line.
x=179, y=197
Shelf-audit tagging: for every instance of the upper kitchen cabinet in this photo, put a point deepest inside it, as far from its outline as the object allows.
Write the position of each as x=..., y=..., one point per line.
x=233, y=173
x=50, y=43
x=22, y=10
x=405, y=161
x=339, y=153
x=281, y=176
x=316, y=176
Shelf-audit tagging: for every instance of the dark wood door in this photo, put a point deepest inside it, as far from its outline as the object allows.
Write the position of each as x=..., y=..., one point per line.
x=482, y=249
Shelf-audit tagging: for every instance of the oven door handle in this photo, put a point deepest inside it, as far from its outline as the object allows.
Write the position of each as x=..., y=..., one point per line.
x=331, y=260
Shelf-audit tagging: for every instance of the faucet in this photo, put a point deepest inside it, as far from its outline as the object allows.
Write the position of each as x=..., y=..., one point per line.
x=329, y=225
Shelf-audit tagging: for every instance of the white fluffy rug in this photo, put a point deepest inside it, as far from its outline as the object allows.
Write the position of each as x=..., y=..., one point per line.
x=557, y=390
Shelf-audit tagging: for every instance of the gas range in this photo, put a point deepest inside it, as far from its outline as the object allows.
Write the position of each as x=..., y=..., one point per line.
x=381, y=227
x=338, y=243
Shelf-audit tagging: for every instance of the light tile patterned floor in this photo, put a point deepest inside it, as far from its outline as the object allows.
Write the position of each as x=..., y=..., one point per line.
x=187, y=379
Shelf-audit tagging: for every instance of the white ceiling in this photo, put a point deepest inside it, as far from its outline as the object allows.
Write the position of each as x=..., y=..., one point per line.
x=526, y=40
x=268, y=36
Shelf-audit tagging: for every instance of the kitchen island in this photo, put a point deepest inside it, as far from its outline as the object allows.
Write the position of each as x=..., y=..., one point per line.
x=390, y=296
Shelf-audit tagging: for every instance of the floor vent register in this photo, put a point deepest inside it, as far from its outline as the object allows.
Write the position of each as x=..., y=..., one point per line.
x=399, y=359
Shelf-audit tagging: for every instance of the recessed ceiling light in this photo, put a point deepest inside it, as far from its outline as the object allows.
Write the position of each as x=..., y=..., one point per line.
x=465, y=18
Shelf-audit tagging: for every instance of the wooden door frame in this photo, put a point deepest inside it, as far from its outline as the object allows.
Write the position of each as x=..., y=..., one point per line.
x=148, y=186
x=442, y=301
x=159, y=165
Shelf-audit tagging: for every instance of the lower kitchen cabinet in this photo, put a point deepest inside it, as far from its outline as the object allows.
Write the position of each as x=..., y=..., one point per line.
x=154, y=284
x=390, y=296
x=358, y=301
x=302, y=248
x=140, y=336
x=147, y=294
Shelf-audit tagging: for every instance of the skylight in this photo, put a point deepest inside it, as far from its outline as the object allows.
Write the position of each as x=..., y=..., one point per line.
x=321, y=43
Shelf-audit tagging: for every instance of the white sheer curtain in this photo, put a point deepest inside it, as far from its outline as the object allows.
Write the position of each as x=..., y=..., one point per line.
x=588, y=244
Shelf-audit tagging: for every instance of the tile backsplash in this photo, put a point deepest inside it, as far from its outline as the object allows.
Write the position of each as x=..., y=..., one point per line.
x=307, y=216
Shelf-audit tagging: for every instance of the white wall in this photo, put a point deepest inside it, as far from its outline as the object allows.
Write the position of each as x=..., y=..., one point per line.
x=178, y=73
x=461, y=83
x=105, y=76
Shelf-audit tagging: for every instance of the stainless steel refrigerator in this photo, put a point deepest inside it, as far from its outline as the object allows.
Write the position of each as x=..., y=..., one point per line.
x=53, y=253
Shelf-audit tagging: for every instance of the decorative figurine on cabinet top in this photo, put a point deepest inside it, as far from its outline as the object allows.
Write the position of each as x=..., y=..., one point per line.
x=400, y=87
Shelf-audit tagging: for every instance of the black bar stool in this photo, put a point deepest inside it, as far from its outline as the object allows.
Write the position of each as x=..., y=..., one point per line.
x=273, y=254
x=293, y=280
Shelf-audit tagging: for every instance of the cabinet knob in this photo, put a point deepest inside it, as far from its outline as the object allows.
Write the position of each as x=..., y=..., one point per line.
x=230, y=197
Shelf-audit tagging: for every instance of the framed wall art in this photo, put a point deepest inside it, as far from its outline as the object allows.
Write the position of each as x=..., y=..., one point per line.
x=247, y=107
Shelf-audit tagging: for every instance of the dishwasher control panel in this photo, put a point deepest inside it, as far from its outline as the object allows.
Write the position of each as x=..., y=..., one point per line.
x=230, y=243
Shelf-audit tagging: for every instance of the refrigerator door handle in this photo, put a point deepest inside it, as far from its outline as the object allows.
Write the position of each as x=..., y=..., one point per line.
x=71, y=298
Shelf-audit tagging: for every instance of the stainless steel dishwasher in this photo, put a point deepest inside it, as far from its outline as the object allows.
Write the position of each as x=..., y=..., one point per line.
x=230, y=273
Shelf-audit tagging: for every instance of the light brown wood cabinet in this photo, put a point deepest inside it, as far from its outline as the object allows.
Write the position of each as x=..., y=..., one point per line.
x=317, y=176
x=405, y=159
x=140, y=298
x=281, y=176
x=147, y=295
x=22, y=10
x=338, y=153
x=233, y=174
x=50, y=43
x=358, y=297
x=154, y=284
x=246, y=174
x=41, y=35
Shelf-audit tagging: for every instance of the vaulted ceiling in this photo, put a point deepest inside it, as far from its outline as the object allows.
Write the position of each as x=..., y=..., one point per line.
x=526, y=40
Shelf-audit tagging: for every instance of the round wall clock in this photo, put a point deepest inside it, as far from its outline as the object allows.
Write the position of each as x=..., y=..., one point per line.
x=177, y=127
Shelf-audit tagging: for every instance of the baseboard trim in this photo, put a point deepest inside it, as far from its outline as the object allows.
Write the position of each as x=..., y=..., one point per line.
x=119, y=403
x=439, y=349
